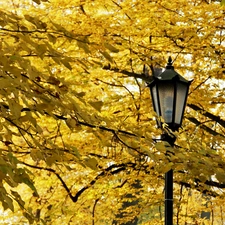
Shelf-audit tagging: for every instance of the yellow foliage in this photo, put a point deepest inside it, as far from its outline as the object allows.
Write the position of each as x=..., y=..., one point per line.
x=77, y=124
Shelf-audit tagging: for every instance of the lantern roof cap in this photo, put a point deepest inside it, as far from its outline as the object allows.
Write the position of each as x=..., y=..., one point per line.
x=169, y=73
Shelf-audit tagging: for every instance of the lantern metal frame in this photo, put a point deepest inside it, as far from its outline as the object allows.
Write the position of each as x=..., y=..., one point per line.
x=169, y=92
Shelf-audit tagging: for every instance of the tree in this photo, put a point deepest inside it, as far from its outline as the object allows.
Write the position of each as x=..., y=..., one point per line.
x=76, y=116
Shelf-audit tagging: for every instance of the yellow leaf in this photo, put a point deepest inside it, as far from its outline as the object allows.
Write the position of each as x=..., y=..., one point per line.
x=165, y=168
x=180, y=156
x=160, y=146
x=163, y=146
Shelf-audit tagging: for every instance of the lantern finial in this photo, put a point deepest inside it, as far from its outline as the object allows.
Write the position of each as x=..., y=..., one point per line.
x=169, y=64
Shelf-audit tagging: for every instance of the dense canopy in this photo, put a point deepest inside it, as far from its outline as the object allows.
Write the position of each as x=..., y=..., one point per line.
x=77, y=123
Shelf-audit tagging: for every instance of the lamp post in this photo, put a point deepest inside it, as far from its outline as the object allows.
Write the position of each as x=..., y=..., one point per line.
x=169, y=92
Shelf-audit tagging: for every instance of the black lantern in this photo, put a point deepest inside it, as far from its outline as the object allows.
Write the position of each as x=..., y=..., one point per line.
x=169, y=92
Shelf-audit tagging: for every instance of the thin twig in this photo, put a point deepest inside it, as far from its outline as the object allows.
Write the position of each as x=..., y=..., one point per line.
x=93, y=211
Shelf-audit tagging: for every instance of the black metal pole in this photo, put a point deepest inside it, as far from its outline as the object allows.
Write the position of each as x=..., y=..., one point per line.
x=169, y=198
x=170, y=138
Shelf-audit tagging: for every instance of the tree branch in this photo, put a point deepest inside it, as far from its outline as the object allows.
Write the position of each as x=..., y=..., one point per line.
x=142, y=76
x=111, y=170
x=117, y=168
x=54, y=172
x=207, y=129
x=207, y=114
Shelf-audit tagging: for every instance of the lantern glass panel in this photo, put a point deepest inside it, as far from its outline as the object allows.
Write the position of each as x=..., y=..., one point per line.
x=155, y=99
x=166, y=99
x=181, y=96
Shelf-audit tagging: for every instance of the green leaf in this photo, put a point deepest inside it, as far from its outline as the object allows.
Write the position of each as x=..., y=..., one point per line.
x=220, y=175
x=40, y=50
x=71, y=123
x=107, y=56
x=97, y=105
x=66, y=64
x=59, y=27
x=15, y=108
x=30, y=184
x=111, y=48
x=53, y=80
x=5, y=83
x=23, y=177
x=52, y=38
x=80, y=94
x=222, y=2
x=91, y=163
x=97, y=62
x=75, y=152
x=9, y=202
x=84, y=46
x=29, y=217
x=34, y=20
x=18, y=199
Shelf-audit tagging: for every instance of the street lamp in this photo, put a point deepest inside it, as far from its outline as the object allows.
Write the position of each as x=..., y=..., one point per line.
x=169, y=92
